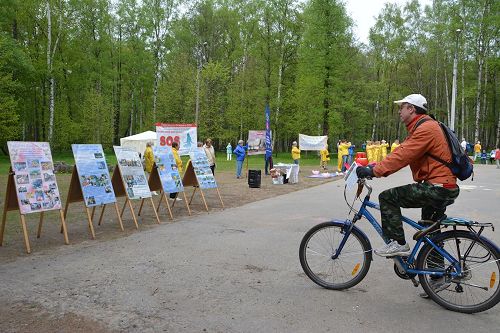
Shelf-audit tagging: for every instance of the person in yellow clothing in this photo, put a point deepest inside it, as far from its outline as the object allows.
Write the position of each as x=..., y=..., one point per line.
x=383, y=148
x=149, y=159
x=394, y=145
x=477, y=150
x=295, y=153
x=369, y=151
x=343, y=150
x=377, y=152
x=325, y=157
x=178, y=162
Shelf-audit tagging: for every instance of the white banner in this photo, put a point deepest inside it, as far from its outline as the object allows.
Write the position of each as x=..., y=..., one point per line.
x=307, y=142
x=184, y=134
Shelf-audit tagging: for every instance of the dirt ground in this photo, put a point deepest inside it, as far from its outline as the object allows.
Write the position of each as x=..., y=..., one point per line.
x=31, y=316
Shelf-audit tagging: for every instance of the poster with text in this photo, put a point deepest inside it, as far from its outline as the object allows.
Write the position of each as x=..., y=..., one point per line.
x=257, y=142
x=93, y=174
x=202, y=170
x=133, y=176
x=184, y=134
x=171, y=181
x=34, y=177
x=307, y=142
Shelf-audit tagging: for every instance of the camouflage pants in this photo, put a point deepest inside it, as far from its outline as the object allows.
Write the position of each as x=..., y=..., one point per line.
x=432, y=199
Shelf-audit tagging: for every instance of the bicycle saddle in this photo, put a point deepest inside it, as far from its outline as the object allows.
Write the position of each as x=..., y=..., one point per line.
x=421, y=233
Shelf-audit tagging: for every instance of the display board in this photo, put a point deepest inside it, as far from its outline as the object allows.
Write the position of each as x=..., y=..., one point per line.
x=167, y=169
x=202, y=169
x=257, y=142
x=34, y=178
x=132, y=173
x=93, y=174
x=184, y=134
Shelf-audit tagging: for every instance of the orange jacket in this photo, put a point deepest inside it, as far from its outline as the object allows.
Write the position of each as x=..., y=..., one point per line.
x=428, y=137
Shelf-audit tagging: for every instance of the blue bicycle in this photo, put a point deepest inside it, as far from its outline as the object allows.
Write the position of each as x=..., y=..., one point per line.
x=458, y=268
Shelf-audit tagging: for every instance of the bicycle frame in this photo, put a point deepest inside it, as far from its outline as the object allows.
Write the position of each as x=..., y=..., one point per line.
x=404, y=264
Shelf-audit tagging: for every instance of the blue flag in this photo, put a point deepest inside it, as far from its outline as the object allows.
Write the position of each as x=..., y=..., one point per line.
x=269, y=149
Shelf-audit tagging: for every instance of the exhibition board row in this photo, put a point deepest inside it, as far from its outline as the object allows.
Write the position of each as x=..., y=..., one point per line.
x=32, y=186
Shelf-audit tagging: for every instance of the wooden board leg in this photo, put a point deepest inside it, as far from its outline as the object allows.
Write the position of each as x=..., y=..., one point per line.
x=66, y=206
x=159, y=202
x=93, y=211
x=123, y=208
x=25, y=234
x=140, y=208
x=65, y=230
x=2, y=228
x=156, y=213
x=119, y=217
x=204, y=201
x=168, y=207
x=40, y=226
x=192, y=195
x=91, y=226
x=187, y=205
x=220, y=198
x=133, y=214
x=102, y=214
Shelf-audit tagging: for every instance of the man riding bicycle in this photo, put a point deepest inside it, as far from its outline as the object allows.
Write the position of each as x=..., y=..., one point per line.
x=436, y=186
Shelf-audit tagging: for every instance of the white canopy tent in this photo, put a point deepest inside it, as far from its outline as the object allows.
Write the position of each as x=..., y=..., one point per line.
x=138, y=142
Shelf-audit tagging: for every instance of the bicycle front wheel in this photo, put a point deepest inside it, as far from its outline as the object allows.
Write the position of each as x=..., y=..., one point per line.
x=477, y=288
x=320, y=244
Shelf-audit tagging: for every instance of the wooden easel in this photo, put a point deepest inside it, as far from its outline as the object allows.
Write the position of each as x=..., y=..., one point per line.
x=119, y=187
x=75, y=194
x=11, y=203
x=155, y=185
x=190, y=179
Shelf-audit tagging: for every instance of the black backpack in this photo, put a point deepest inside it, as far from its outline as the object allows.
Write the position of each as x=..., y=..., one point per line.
x=460, y=165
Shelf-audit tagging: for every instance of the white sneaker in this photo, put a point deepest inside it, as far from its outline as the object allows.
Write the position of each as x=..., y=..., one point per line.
x=179, y=199
x=393, y=249
x=154, y=193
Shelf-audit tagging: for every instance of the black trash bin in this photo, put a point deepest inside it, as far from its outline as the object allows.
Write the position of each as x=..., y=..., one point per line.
x=254, y=178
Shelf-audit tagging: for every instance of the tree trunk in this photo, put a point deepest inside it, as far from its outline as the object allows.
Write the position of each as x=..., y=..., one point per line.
x=49, y=73
x=478, y=98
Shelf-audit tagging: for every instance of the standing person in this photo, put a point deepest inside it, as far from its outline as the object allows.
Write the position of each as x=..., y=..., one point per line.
x=295, y=153
x=325, y=157
x=178, y=162
x=394, y=145
x=240, y=157
x=229, y=151
x=343, y=150
x=149, y=160
x=268, y=157
x=477, y=150
x=383, y=149
x=497, y=157
x=370, y=151
x=210, y=152
x=352, y=149
x=435, y=185
x=464, y=144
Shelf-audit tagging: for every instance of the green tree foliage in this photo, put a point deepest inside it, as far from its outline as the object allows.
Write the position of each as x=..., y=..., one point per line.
x=117, y=67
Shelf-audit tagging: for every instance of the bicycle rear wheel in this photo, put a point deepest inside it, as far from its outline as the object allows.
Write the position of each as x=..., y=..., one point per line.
x=321, y=243
x=478, y=288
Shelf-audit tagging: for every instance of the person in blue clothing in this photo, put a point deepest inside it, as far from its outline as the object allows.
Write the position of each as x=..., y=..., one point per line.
x=240, y=152
x=351, y=154
x=484, y=157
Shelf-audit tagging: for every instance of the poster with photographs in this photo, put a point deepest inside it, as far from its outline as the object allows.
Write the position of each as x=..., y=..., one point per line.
x=171, y=181
x=34, y=177
x=202, y=170
x=93, y=174
x=134, y=178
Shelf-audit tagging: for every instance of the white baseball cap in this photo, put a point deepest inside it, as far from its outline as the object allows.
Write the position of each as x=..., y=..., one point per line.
x=415, y=99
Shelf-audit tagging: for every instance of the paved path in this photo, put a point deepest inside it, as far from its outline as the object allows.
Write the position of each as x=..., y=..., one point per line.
x=238, y=271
